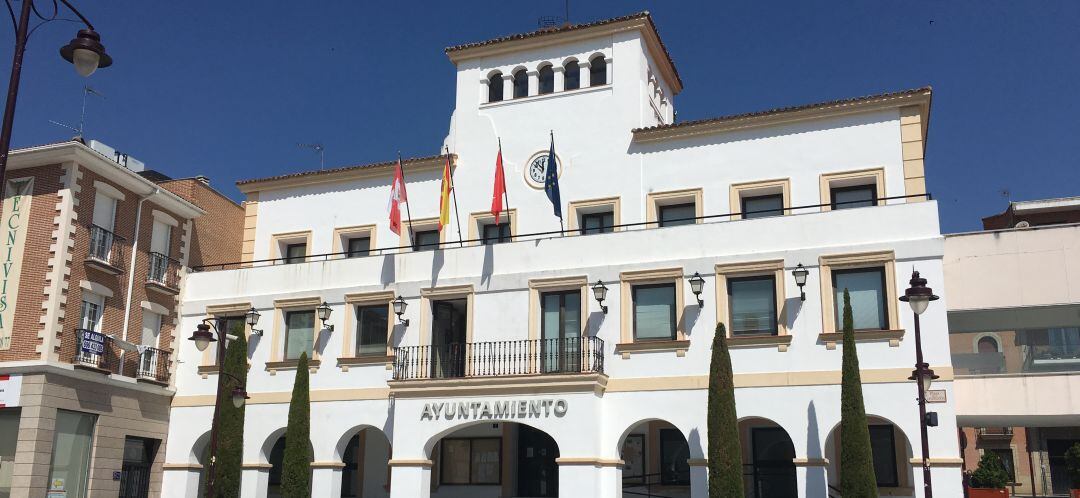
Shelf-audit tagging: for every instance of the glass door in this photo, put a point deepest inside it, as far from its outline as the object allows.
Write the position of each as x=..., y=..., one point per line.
x=560, y=324
x=448, y=338
x=774, y=472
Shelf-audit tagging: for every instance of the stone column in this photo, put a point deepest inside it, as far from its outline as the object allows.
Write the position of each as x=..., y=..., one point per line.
x=609, y=70
x=410, y=478
x=585, y=77
x=560, y=78
x=326, y=478
x=534, y=83
x=699, y=478
x=580, y=477
x=810, y=477
x=181, y=480
x=254, y=478
x=508, y=86
x=484, y=91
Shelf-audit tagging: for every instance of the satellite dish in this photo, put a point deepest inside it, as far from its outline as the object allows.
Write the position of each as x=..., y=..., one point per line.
x=1023, y=224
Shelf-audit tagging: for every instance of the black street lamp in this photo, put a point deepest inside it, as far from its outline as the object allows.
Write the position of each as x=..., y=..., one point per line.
x=919, y=297
x=599, y=291
x=696, y=285
x=85, y=51
x=800, y=272
x=399, y=309
x=324, y=311
x=202, y=338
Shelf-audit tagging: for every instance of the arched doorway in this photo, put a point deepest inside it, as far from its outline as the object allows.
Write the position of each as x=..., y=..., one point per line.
x=276, y=457
x=495, y=459
x=891, y=451
x=768, y=460
x=656, y=460
x=366, y=473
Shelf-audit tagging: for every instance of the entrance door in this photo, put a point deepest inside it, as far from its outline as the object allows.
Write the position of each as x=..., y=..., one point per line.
x=774, y=472
x=674, y=458
x=135, y=473
x=560, y=323
x=1059, y=477
x=538, y=474
x=448, y=338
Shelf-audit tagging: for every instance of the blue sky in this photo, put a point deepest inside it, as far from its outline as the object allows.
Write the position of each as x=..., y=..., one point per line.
x=227, y=89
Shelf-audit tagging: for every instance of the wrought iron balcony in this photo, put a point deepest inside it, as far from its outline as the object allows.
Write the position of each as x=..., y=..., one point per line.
x=153, y=365
x=500, y=358
x=105, y=252
x=99, y=352
x=163, y=273
x=994, y=432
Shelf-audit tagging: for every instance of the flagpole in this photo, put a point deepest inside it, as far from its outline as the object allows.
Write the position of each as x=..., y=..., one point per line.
x=506, y=195
x=408, y=211
x=453, y=191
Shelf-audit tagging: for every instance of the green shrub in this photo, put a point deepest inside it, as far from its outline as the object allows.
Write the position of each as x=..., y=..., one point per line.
x=296, y=463
x=990, y=473
x=1072, y=465
x=725, y=453
x=230, y=450
x=856, y=457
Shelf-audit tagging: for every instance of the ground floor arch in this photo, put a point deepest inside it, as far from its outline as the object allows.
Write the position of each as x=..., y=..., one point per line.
x=768, y=457
x=656, y=460
x=365, y=453
x=494, y=459
x=892, y=454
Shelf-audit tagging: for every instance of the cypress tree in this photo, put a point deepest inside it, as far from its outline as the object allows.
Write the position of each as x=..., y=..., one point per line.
x=725, y=453
x=230, y=450
x=856, y=458
x=296, y=463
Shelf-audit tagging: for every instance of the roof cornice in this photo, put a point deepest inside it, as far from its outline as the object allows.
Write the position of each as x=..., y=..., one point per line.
x=78, y=152
x=919, y=97
x=346, y=173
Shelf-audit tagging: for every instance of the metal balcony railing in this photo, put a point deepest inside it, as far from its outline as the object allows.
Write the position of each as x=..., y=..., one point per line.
x=104, y=247
x=163, y=271
x=994, y=432
x=153, y=365
x=500, y=358
x=98, y=351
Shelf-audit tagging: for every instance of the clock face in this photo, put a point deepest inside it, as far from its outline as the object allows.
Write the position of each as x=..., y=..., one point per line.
x=536, y=171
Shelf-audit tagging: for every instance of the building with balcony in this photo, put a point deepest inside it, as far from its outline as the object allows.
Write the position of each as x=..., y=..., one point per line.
x=94, y=257
x=1014, y=324
x=504, y=375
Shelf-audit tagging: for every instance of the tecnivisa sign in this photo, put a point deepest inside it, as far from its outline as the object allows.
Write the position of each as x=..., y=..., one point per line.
x=480, y=410
x=16, y=214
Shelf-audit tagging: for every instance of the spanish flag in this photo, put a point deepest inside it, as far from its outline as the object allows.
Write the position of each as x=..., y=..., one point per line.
x=444, y=194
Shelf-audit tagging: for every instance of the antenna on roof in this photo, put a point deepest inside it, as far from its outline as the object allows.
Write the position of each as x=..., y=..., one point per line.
x=566, y=4
x=317, y=147
x=82, y=116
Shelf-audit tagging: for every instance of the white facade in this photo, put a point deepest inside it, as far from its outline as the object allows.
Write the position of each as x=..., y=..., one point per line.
x=790, y=382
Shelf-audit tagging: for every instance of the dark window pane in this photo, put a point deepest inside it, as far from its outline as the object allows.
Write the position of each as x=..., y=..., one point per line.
x=753, y=305
x=597, y=223
x=358, y=246
x=674, y=458
x=485, y=461
x=494, y=234
x=299, y=333
x=547, y=80
x=426, y=240
x=295, y=253
x=654, y=311
x=883, y=447
x=371, y=329
x=572, y=76
x=866, y=286
x=521, y=84
x=762, y=206
x=1006, y=456
x=495, y=88
x=677, y=214
x=853, y=197
x=598, y=71
x=455, y=461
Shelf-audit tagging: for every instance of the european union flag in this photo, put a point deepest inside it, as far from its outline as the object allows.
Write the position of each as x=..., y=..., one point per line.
x=551, y=180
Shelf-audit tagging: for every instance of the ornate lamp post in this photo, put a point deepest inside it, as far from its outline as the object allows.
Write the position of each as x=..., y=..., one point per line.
x=202, y=338
x=85, y=51
x=919, y=297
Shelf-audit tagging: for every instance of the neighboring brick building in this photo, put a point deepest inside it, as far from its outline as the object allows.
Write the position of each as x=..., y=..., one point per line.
x=94, y=256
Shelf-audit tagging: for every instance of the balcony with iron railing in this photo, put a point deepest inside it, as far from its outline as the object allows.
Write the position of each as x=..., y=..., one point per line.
x=163, y=274
x=96, y=351
x=103, y=353
x=579, y=355
x=153, y=365
x=994, y=432
x=106, y=251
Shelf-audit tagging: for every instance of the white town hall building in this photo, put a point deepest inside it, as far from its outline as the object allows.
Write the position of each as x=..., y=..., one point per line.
x=504, y=376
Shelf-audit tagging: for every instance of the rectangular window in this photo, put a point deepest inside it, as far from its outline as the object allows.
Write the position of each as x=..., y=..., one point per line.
x=104, y=211
x=674, y=458
x=762, y=206
x=425, y=240
x=1006, y=456
x=299, y=333
x=753, y=305
x=358, y=246
x=654, y=311
x=151, y=328
x=883, y=448
x=677, y=214
x=866, y=286
x=9, y=435
x=471, y=461
x=597, y=222
x=494, y=234
x=92, y=305
x=560, y=326
x=853, y=197
x=295, y=253
x=160, y=238
x=70, y=467
x=371, y=327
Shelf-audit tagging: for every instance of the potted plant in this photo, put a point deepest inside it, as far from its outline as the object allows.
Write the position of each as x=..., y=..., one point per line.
x=989, y=479
x=1072, y=468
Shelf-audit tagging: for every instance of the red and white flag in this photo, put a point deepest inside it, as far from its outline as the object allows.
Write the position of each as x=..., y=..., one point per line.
x=397, y=196
x=500, y=188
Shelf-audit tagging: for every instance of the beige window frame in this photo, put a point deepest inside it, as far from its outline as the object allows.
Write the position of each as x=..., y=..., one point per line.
x=627, y=280
x=878, y=259
x=737, y=191
x=538, y=286
x=348, y=339
x=483, y=218
x=828, y=181
x=774, y=268
x=277, y=337
x=654, y=200
x=342, y=235
x=430, y=294
x=590, y=206
x=279, y=241
x=419, y=225
x=209, y=360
